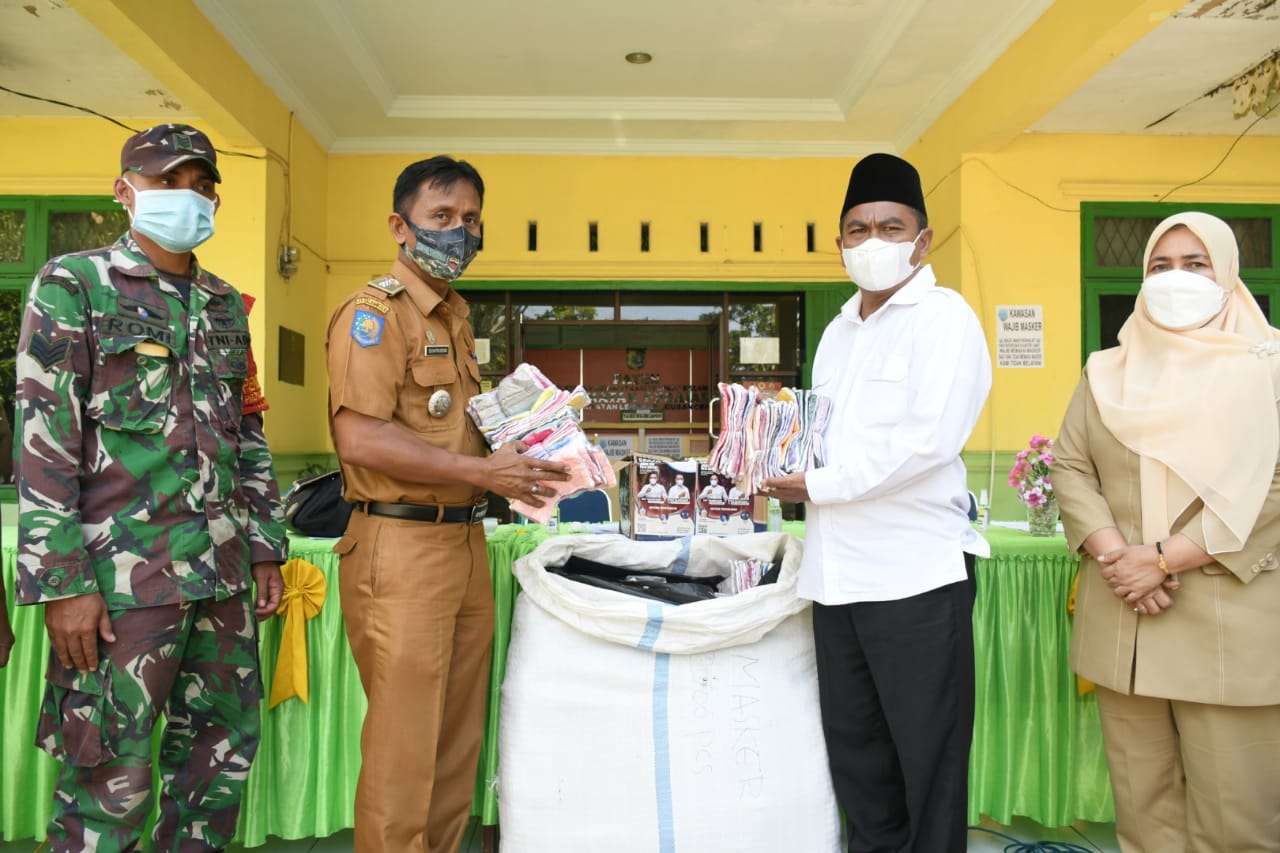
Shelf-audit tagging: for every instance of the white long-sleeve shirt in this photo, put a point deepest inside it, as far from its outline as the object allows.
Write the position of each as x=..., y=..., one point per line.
x=888, y=514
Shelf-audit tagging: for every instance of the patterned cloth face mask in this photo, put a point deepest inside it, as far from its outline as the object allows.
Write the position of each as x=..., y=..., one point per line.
x=177, y=220
x=442, y=255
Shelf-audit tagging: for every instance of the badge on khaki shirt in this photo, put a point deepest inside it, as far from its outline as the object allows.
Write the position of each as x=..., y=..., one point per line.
x=374, y=303
x=439, y=404
x=366, y=329
x=387, y=285
x=442, y=349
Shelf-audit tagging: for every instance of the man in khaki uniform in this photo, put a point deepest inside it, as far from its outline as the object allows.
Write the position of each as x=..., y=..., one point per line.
x=415, y=586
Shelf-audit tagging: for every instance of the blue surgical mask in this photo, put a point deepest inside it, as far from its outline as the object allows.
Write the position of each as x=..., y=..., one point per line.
x=442, y=255
x=178, y=220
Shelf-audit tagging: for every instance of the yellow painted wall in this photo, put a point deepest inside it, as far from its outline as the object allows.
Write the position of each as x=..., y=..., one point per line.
x=1022, y=251
x=59, y=156
x=564, y=194
x=197, y=66
x=1003, y=247
x=82, y=157
x=1007, y=247
x=994, y=243
x=296, y=422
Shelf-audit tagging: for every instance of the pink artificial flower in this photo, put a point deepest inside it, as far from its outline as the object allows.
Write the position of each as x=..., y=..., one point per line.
x=1035, y=498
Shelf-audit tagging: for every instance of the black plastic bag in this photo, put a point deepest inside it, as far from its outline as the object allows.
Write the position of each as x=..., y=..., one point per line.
x=314, y=506
x=654, y=585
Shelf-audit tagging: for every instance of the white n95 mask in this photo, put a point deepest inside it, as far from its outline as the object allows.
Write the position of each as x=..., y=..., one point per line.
x=876, y=264
x=1178, y=300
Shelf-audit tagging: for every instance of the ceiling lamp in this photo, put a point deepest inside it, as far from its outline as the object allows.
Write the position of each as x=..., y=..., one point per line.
x=1258, y=89
x=639, y=58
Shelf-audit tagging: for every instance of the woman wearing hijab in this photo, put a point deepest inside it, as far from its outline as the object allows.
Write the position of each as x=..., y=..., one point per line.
x=1166, y=473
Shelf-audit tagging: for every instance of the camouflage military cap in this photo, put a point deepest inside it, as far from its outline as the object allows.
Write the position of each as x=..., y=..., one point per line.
x=154, y=151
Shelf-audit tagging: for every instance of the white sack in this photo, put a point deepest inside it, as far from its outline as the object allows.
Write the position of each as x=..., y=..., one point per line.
x=631, y=725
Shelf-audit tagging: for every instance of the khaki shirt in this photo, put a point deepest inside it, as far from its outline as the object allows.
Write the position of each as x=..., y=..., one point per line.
x=1218, y=643
x=389, y=350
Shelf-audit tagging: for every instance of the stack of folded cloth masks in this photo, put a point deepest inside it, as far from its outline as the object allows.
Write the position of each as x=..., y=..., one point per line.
x=526, y=406
x=769, y=437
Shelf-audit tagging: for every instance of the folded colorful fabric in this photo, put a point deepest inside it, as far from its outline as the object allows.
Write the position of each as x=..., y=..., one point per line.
x=526, y=406
x=769, y=437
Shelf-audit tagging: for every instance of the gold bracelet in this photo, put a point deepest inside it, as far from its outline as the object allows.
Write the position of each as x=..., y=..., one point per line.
x=1160, y=559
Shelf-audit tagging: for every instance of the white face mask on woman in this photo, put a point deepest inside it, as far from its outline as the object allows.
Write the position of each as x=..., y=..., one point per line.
x=1178, y=300
x=876, y=264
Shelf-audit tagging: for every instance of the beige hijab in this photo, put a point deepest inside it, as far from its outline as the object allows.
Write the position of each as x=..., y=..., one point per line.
x=1198, y=406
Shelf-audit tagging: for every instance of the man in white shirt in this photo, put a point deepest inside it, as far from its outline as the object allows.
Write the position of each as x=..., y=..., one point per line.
x=678, y=494
x=713, y=491
x=889, y=551
x=652, y=492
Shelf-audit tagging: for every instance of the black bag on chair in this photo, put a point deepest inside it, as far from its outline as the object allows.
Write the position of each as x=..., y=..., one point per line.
x=314, y=506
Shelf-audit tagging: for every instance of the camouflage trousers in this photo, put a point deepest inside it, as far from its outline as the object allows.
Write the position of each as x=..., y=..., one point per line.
x=197, y=663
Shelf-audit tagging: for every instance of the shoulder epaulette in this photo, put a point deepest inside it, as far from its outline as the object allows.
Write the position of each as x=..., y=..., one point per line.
x=388, y=285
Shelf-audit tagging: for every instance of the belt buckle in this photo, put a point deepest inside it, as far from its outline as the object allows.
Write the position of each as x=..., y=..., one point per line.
x=478, y=511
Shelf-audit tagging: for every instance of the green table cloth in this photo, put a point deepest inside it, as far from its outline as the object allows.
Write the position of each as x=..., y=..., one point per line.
x=1037, y=747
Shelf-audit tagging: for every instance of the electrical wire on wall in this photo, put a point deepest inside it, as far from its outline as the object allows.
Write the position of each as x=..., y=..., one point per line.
x=1230, y=148
x=980, y=282
x=286, y=254
x=270, y=155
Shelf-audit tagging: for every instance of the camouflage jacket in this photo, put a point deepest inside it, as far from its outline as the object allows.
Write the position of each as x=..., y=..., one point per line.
x=138, y=476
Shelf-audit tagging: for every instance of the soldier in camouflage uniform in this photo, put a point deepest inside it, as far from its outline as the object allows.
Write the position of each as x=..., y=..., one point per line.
x=146, y=501
x=6, y=468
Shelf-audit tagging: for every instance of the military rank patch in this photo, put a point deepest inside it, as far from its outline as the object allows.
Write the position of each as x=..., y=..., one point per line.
x=49, y=352
x=366, y=329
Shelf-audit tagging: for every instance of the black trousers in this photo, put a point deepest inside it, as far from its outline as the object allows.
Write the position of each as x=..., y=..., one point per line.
x=895, y=681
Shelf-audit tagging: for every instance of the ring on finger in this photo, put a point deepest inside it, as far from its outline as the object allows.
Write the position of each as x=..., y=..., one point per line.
x=533, y=490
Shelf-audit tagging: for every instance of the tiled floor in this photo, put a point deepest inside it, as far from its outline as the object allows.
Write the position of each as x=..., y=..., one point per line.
x=1090, y=837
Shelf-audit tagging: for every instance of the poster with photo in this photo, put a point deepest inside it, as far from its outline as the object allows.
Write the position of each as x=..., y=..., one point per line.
x=663, y=498
x=724, y=509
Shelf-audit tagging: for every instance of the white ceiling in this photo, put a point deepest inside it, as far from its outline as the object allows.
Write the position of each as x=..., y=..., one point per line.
x=728, y=77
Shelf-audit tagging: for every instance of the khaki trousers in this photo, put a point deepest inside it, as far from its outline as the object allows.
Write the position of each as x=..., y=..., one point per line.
x=418, y=606
x=1190, y=777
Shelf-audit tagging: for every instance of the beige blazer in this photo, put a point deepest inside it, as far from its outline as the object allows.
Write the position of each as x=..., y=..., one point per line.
x=1220, y=642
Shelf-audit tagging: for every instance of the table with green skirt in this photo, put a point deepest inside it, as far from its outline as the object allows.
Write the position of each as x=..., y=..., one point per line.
x=1037, y=746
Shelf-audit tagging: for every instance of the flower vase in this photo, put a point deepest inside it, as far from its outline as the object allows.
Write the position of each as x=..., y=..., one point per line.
x=1042, y=520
